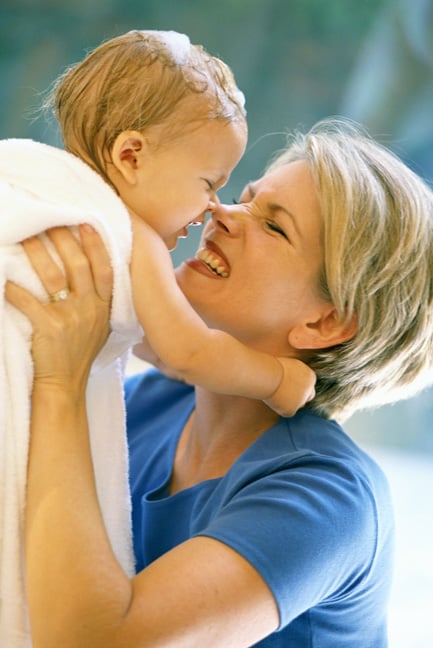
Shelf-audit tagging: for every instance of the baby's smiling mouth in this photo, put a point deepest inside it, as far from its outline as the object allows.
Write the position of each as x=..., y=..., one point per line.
x=214, y=262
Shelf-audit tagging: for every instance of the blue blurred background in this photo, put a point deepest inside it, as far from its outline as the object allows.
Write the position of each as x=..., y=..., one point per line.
x=297, y=61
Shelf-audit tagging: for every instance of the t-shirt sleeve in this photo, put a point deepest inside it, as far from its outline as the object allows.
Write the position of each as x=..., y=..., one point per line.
x=309, y=529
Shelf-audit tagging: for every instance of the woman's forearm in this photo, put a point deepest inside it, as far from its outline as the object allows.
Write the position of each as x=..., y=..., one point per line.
x=72, y=574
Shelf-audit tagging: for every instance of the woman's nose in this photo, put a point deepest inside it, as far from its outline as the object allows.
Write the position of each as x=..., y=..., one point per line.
x=228, y=218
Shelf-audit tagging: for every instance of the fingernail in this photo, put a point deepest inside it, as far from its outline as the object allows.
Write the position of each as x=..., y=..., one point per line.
x=87, y=228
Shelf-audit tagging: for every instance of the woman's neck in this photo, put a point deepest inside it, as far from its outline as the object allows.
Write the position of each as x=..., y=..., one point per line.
x=219, y=430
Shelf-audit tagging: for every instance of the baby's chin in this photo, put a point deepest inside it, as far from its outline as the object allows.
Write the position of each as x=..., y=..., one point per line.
x=171, y=241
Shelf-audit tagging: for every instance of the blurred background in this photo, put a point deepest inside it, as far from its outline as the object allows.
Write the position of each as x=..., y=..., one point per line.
x=297, y=61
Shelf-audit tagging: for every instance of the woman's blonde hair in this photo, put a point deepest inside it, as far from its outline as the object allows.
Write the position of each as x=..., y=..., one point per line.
x=135, y=81
x=377, y=220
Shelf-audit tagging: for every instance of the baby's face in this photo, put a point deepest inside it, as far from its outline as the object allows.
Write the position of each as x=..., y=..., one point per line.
x=174, y=183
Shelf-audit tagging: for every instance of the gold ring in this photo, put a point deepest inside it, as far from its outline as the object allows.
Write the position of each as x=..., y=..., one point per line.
x=60, y=295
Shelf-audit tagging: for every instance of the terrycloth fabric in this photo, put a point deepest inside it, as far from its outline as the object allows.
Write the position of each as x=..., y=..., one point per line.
x=41, y=187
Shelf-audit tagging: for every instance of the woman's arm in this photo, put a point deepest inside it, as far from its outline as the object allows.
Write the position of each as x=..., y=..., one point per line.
x=200, y=355
x=200, y=593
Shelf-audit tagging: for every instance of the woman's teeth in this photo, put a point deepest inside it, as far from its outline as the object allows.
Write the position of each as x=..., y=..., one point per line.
x=214, y=262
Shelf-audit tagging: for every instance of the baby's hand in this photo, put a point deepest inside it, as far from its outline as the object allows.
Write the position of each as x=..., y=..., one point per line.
x=295, y=389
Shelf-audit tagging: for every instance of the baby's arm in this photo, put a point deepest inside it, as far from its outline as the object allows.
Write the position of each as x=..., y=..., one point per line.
x=200, y=355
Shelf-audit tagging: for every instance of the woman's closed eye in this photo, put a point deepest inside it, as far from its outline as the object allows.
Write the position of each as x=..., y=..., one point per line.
x=272, y=225
x=269, y=223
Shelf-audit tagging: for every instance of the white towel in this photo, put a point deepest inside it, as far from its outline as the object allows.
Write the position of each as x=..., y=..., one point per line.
x=41, y=187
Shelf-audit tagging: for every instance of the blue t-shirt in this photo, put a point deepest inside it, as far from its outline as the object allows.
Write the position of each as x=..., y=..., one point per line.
x=303, y=504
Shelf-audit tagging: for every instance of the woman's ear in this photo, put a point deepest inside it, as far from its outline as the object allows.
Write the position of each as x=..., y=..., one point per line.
x=127, y=154
x=326, y=331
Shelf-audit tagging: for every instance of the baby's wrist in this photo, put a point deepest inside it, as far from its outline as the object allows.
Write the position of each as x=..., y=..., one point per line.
x=279, y=379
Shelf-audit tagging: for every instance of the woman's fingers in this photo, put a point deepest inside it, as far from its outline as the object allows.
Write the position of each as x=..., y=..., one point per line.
x=86, y=262
x=67, y=336
x=79, y=277
x=22, y=299
x=51, y=275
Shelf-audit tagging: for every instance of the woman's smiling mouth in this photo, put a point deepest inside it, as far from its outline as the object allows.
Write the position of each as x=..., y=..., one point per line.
x=214, y=259
x=213, y=262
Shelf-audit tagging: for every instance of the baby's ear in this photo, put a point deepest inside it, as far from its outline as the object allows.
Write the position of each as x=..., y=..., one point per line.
x=127, y=154
x=327, y=330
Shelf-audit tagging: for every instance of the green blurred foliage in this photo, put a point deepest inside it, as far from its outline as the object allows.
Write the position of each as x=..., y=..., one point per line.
x=292, y=58
x=297, y=61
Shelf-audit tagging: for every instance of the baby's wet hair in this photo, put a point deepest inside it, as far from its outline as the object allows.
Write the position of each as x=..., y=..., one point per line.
x=135, y=81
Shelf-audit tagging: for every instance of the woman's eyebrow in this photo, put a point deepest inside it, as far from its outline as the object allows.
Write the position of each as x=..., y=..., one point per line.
x=276, y=207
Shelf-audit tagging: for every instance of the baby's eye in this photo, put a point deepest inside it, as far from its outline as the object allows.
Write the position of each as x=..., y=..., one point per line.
x=276, y=228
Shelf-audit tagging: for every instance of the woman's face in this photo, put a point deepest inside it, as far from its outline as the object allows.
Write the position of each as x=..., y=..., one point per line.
x=267, y=255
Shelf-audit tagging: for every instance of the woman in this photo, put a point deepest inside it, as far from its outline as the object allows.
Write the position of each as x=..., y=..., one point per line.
x=248, y=528
x=178, y=131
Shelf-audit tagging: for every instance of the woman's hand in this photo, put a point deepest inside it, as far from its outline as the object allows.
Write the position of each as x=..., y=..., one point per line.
x=67, y=333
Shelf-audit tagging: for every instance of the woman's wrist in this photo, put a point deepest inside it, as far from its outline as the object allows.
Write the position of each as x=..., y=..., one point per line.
x=61, y=392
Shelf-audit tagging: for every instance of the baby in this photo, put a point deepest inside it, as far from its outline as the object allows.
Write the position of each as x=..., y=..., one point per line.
x=163, y=123
x=152, y=128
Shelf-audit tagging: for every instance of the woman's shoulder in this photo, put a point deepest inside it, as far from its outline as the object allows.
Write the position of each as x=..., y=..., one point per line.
x=326, y=439
x=156, y=410
x=152, y=389
x=309, y=435
x=307, y=449
x=153, y=401
x=311, y=511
